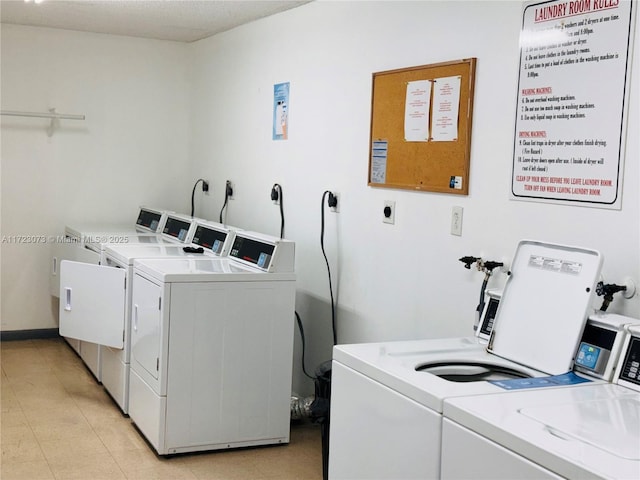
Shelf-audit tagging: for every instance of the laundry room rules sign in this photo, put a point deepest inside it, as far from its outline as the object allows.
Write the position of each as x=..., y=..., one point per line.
x=573, y=93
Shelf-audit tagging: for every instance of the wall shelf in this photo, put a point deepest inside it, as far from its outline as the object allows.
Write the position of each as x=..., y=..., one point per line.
x=51, y=114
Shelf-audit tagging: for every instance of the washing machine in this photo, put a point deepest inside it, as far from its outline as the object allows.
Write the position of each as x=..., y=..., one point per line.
x=387, y=398
x=587, y=432
x=212, y=347
x=95, y=299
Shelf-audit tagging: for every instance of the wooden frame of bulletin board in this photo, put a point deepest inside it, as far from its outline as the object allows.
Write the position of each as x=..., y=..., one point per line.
x=427, y=164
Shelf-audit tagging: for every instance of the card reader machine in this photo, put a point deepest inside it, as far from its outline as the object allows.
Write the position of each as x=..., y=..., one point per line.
x=601, y=343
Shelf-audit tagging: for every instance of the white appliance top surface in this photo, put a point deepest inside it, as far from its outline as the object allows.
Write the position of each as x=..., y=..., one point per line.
x=577, y=432
x=394, y=364
x=93, y=229
x=204, y=270
x=137, y=239
x=613, y=320
x=102, y=241
x=126, y=254
x=544, y=305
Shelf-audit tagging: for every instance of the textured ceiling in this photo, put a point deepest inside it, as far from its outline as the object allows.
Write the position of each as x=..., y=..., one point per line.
x=177, y=20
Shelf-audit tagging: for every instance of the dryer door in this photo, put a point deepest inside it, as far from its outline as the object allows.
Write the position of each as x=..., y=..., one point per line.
x=92, y=303
x=146, y=329
x=67, y=251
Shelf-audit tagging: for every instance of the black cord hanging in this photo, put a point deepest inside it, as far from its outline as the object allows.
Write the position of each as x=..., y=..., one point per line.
x=277, y=196
x=304, y=369
x=193, y=194
x=333, y=308
x=228, y=191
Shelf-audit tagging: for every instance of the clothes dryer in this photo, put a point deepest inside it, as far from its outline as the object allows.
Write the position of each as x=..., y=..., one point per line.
x=587, y=432
x=212, y=347
x=83, y=242
x=95, y=299
x=382, y=391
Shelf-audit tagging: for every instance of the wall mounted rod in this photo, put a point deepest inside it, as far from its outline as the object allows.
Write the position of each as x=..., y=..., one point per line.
x=51, y=115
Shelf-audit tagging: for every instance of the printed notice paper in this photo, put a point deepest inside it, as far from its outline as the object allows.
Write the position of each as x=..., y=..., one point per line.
x=446, y=107
x=379, y=151
x=280, y=111
x=416, y=111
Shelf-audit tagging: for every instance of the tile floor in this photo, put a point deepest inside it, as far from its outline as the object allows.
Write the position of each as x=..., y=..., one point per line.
x=58, y=423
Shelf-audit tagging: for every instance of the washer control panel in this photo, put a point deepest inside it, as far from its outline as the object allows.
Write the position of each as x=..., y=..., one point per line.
x=629, y=373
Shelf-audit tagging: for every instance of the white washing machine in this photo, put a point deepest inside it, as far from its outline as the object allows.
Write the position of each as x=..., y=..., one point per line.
x=387, y=398
x=212, y=347
x=587, y=432
x=95, y=300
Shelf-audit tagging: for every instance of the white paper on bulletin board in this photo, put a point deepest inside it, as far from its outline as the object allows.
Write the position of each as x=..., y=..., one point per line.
x=446, y=108
x=416, y=111
x=572, y=102
x=379, y=155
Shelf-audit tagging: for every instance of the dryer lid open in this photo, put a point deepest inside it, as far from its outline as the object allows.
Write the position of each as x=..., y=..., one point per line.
x=545, y=305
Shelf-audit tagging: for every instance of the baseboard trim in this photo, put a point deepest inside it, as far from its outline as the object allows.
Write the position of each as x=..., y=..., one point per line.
x=39, y=333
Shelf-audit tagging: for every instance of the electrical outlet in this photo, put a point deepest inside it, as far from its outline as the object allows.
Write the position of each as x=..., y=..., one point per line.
x=276, y=194
x=205, y=187
x=336, y=197
x=230, y=190
x=389, y=212
x=456, y=221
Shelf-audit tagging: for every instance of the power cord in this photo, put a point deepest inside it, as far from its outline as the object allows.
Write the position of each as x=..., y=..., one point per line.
x=304, y=369
x=277, y=196
x=332, y=202
x=228, y=192
x=205, y=188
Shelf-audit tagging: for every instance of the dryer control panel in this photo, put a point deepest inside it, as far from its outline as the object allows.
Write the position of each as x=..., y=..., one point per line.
x=267, y=253
x=179, y=227
x=215, y=238
x=150, y=220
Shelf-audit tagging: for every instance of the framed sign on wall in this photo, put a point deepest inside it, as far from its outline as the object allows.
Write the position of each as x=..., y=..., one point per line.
x=573, y=89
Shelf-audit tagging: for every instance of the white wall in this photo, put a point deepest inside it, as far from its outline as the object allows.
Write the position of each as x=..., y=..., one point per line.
x=397, y=281
x=204, y=110
x=131, y=150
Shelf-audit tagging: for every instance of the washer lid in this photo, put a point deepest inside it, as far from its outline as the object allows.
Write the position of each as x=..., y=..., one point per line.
x=545, y=305
x=611, y=424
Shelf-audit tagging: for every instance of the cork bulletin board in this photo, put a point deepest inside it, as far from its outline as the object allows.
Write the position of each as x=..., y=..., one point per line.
x=416, y=142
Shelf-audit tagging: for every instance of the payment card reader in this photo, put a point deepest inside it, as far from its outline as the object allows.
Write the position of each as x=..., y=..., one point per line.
x=601, y=343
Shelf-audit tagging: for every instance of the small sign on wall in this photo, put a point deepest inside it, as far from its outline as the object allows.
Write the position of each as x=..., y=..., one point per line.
x=280, y=111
